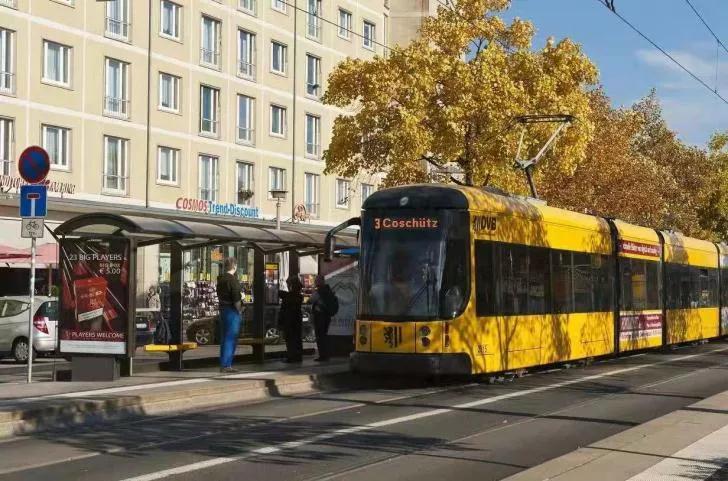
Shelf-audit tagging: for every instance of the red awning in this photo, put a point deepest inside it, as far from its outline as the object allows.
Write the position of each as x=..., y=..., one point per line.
x=45, y=254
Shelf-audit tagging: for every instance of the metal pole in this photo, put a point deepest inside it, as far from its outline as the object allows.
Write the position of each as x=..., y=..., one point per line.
x=149, y=89
x=278, y=214
x=31, y=311
x=293, y=113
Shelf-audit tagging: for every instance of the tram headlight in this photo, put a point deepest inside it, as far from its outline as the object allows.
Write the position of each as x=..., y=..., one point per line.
x=425, y=331
x=363, y=330
x=425, y=341
x=362, y=340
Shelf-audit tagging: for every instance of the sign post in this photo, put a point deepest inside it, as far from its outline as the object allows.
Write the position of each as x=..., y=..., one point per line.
x=33, y=166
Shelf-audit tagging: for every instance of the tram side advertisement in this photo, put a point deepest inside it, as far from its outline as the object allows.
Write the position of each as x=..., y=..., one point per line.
x=94, y=314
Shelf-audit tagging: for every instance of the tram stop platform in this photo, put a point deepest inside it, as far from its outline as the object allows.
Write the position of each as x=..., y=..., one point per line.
x=40, y=406
x=688, y=444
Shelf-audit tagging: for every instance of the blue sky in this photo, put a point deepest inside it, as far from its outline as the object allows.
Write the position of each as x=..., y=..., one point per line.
x=629, y=66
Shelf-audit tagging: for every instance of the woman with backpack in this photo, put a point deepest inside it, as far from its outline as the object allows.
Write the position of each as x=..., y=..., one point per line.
x=324, y=306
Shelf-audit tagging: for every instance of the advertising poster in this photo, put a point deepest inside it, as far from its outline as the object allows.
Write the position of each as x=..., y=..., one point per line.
x=94, y=317
x=342, y=275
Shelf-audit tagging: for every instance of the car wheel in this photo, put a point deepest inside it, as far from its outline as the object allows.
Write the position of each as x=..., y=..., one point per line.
x=20, y=350
x=203, y=336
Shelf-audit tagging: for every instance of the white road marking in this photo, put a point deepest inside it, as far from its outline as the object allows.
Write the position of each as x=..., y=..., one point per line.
x=401, y=419
x=702, y=458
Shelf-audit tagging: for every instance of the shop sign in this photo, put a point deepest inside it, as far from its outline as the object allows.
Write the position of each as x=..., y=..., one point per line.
x=94, y=315
x=215, y=208
x=14, y=182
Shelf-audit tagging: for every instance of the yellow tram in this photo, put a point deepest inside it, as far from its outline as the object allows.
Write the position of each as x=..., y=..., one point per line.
x=463, y=280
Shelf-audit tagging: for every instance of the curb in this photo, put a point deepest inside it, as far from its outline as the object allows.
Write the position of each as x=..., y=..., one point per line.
x=57, y=413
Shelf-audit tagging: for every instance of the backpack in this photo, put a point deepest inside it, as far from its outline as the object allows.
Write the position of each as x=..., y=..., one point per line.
x=332, y=304
x=162, y=335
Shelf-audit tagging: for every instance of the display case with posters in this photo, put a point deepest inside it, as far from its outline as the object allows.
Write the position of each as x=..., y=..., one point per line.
x=95, y=296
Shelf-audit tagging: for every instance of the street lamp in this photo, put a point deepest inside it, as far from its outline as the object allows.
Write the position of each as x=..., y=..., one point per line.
x=279, y=195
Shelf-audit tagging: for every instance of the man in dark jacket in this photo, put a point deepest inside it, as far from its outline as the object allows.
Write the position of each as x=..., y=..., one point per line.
x=291, y=319
x=229, y=298
x=323, y=307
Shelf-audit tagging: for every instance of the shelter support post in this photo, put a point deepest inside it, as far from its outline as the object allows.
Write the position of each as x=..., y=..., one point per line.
x=294, y=266
x=176, y=279
x=258, y=327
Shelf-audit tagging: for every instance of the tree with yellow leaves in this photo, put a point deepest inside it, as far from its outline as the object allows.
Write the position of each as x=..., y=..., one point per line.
x=451, y=96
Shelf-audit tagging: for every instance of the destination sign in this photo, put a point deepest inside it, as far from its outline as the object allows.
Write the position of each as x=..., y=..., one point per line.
x=387, y=223
x=630, y=247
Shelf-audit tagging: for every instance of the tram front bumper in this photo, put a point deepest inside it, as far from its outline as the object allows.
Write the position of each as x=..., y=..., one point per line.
x=403, y=363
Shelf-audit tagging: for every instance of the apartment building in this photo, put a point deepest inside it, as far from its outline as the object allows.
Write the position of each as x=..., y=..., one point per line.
x=162, y=103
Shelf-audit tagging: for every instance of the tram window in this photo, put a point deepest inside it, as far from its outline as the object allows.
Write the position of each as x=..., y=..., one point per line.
x=538, y=281
x=583, y=283
x=652, y=271
x=603, y=268
x=484, y=279
x=690, y=287
x=513, y=281
x=708, y=294
x=724, y=286
x=563, y=299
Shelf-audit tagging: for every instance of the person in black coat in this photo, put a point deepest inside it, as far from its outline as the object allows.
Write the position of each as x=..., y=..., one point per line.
x=323, y=307
x=291, y=319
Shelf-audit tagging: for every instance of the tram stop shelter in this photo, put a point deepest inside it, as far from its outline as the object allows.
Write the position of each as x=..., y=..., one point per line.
x=181, y=234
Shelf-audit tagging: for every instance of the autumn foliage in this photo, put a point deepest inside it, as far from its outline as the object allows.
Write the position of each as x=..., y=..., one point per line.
x=451, y=97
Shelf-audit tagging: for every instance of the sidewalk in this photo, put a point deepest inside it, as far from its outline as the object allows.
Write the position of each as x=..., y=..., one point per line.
x=688, y=444
x=26, y=408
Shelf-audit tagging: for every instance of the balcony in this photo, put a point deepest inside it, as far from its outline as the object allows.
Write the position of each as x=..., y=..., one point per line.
x=6, y=167
x=116, y=107
x=7, y=82
x=246, y=70
x=247, y=6
x=246, y=135
x=210, y=57
x=313, y=150
x=115, y=184
x=313, y=27
x=209, y=126
x=118, y=28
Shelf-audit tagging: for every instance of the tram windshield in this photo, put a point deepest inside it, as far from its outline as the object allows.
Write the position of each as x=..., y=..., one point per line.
x=414, y=264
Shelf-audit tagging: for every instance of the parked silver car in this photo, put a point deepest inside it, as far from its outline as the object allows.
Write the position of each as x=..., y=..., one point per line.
x=14, y=326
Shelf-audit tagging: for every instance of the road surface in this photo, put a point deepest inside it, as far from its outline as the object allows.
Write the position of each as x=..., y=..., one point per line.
x=457, y=430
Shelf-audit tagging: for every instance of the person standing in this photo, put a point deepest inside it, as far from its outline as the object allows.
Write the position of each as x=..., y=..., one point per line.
x=324, y=306
x=153, y=300
x=291, y=319
x=229, y=298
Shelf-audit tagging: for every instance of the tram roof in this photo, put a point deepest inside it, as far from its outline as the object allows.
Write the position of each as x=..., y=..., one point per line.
x=150, y=230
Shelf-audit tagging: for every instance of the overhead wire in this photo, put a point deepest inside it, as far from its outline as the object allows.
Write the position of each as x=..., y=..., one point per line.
x=605, y=4
x=717, y=39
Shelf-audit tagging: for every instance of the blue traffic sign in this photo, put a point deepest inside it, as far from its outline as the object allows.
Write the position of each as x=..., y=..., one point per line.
x=33, y=201
x=34, y=164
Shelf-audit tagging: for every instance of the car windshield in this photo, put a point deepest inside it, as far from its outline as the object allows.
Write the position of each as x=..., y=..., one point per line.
x=12, y=307
x=414, y=264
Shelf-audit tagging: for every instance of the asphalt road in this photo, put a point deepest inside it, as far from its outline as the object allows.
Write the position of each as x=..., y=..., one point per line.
x=453, y=431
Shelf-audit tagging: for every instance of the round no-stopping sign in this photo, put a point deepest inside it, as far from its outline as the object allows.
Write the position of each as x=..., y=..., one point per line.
x=34, y=164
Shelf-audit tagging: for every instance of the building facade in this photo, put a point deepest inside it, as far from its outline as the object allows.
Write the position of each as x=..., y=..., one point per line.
x=171, y=104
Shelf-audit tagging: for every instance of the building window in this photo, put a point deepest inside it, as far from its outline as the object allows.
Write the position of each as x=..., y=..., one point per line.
x=118, y=20
x=370, y=35
x=366, y=191
x=344, y=24
x=57, y=142
x=115, y=165
x=246, y=54
x=278, y=58
x=169, y=92
x=313, y=136
x=7, y=61
x=313, y=20
x=246, y=184
x=246, y=119
x=116, y=98
x=56, y=63
x=276, y=179
x=6, y=146
x=279, y=5
x=210, y=42
x=311, y=194
x=247, y=6
x=167, y=164
x=343, y=187
x=313, y=75
x=209, y=110
x=9, y=3
x=277, y=121
x=171, y=19
x=208, y=178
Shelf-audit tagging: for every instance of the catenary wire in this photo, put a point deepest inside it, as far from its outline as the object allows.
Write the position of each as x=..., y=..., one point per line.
x=663, y=51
